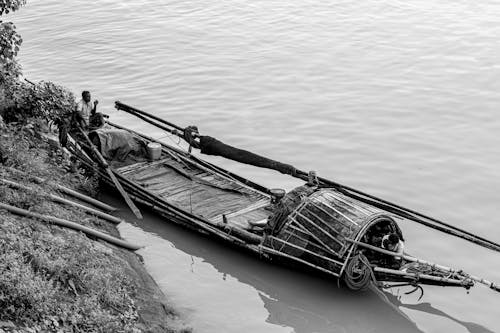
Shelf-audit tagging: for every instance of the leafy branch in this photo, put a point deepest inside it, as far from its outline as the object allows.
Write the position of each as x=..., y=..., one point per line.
x=7, y=6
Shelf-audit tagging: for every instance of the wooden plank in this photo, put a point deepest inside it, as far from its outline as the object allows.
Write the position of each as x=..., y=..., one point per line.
x=127, y=168
x=224, y=207
x=181, y=188
x=179, y=195
x=138, y=174
x=173, y=182
x=245, y=219
x=208, y=178
x=229, y=178
x=146, y=165
x=253, y=216
x=256, y=215
x=160, y=192
x=256, y=205
x=154, y=175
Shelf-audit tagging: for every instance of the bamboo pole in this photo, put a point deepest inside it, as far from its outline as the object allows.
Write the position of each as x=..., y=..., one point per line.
x=315, y=237
x=351, y=192
x=68, y=191
x=272, y=251
x=431, y=223
x=106, y=166
x=127, y=108
x=423, y=276
x=166, y=129
x=240, y=233
x=489, y=284
x=56, y=198
x=71, y=225
x=306, y=250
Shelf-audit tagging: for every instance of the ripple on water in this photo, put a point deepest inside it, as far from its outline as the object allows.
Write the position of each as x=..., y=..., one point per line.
x=398, y=98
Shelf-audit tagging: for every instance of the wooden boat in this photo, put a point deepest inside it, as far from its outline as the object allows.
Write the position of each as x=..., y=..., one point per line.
x=321, y=226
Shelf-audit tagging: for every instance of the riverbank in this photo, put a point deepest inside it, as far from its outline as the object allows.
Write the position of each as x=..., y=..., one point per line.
x=56, y=279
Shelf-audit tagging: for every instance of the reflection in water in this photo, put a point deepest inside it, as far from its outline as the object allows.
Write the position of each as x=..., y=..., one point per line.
x=235, y=282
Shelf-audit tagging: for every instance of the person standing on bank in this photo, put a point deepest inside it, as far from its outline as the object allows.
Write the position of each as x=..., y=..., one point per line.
x=85, y=108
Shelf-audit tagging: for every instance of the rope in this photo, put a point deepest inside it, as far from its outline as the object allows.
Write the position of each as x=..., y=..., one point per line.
x=358, y=273
x=413, y=284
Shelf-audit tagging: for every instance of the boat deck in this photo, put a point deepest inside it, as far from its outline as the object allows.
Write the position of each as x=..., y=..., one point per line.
x=181, y=182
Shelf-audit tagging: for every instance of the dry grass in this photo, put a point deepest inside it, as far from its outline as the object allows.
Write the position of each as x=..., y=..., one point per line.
x=58, y=279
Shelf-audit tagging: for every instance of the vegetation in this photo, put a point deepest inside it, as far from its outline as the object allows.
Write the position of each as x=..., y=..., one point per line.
x=44, y=100
x=54, y=279
x=23, y=100
x=10, y=41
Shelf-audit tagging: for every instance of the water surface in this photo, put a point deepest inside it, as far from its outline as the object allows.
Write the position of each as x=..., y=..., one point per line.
x=396, y=98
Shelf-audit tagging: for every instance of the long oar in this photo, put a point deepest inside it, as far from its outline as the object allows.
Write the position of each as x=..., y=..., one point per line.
x=127, y=108
x=427, y=221
x=349, y=191
x=105, y=165
x=138, y=115
x=490, y=284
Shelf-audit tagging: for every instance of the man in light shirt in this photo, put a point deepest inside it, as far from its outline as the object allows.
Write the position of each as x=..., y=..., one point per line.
x=85, y=108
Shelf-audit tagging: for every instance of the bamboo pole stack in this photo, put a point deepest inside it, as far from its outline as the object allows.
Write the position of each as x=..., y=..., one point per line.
x=71, y=225
x=67, y=191
x=56, y=198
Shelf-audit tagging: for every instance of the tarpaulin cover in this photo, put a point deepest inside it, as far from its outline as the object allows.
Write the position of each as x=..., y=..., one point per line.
x=212, y=146
x=117, y=144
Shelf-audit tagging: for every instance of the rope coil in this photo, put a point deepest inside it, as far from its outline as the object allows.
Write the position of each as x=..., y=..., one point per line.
x=358, y=273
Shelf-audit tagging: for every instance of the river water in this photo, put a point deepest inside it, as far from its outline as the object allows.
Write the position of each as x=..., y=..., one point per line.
x=397, y=98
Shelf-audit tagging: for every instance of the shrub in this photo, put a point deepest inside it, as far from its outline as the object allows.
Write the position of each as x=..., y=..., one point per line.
x=44, y=100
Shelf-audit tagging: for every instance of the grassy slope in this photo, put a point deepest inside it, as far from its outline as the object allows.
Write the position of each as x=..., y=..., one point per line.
x=57, y=279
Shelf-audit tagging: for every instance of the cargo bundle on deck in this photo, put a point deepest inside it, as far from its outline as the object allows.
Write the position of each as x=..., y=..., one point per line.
x=321, y=226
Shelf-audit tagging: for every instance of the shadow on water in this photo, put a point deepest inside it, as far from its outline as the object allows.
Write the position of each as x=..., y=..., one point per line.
x=292, y=299
x=429, y=309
